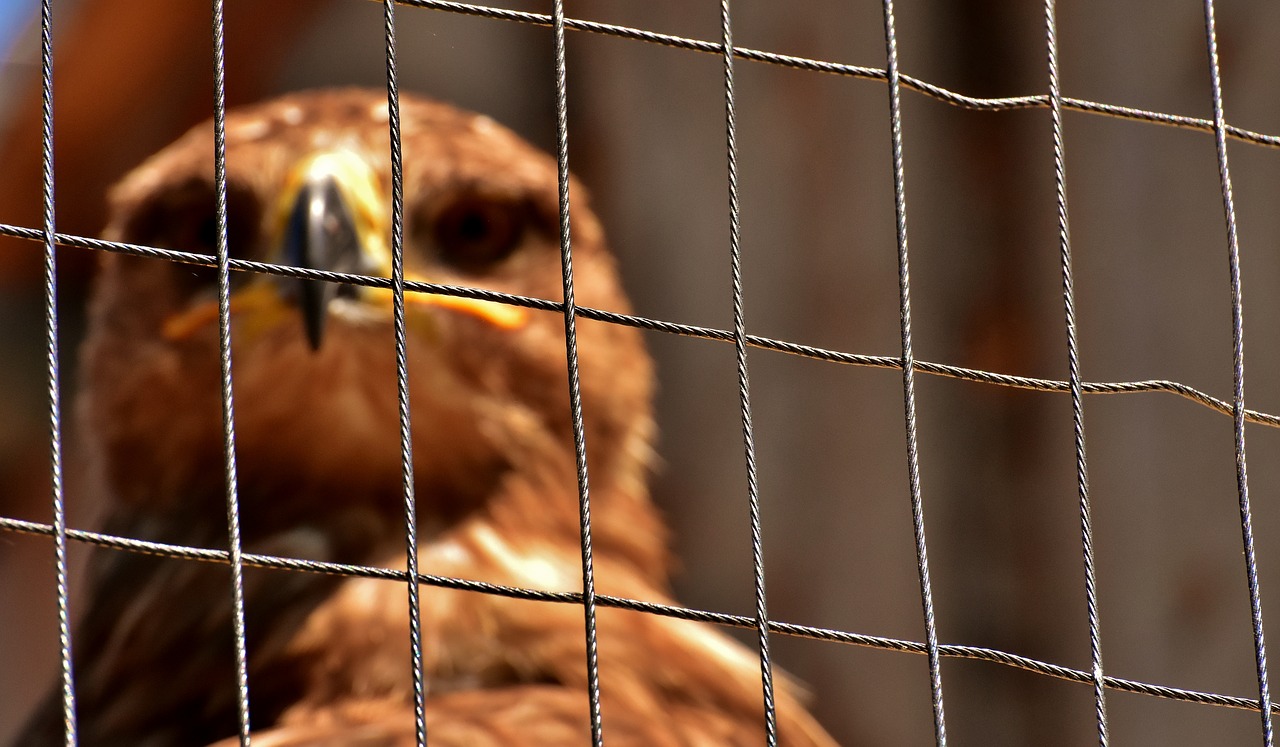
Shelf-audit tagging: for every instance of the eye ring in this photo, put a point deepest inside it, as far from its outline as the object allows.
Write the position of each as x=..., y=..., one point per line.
x=473, y=232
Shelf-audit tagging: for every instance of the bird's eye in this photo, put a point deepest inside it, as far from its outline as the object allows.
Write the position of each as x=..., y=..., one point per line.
x=184, y=219
x=474, y=232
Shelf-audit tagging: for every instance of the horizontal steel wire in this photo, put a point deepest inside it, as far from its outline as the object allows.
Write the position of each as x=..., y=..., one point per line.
x=1034, y=101
x=955, y=651
x=658, y=325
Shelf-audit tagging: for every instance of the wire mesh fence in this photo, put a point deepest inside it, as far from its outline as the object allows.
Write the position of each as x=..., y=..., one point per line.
x=1045, y=555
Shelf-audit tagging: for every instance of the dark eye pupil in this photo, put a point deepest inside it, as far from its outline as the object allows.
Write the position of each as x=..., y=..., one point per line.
x=473, y=227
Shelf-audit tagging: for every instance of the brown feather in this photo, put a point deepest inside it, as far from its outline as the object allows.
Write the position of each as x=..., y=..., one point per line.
x=319, y=473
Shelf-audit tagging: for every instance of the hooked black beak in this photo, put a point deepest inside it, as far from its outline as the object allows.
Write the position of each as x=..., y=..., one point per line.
x=321, y=234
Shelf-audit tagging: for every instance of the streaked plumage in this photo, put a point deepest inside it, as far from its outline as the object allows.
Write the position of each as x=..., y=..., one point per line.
x=319, y=459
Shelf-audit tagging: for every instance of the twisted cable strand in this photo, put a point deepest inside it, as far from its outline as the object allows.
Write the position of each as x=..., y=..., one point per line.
x=402, y=378
x=908, y=378
x=1073, y=365
x=54, y=377
x=744, y=383
x=686, y=330
x=976, y=653
x=1237, y=374
x=569, y=309
x=1005, y=103
x=224, y=347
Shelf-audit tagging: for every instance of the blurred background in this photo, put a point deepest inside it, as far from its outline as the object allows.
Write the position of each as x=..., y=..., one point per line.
x=997, y=465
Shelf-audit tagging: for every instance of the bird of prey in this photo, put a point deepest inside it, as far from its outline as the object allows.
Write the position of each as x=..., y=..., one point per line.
x=319, y=465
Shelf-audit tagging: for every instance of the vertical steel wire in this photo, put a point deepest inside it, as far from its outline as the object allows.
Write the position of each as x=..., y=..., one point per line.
x=1073, y=364
x=224, y=346
x=744, y=383
x=575, y=388
x=402, y=378
x=54, y=375
x=1237, y=400
x=908, y=374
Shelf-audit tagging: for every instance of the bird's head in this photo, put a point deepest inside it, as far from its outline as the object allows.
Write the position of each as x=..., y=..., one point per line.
x=309, y=184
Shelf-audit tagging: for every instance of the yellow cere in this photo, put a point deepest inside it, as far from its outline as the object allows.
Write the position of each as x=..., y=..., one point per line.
x=358, y=184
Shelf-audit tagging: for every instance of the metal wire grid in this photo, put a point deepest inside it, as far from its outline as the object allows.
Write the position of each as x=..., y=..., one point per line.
x=588, y=599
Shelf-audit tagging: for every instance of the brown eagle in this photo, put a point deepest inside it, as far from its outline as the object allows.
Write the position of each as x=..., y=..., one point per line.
x=319, y=472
